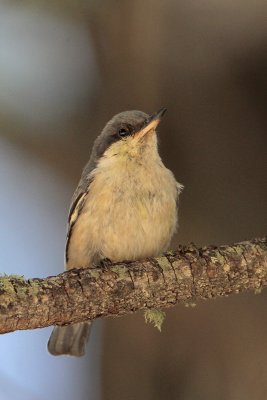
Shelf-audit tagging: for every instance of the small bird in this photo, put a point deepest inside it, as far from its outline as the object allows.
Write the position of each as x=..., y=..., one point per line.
x=124, y=208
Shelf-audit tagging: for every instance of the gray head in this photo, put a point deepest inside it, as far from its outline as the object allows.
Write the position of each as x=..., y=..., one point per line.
x=128, y=131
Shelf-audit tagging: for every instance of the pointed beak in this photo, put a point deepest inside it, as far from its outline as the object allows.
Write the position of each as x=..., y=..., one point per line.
x=151, y=124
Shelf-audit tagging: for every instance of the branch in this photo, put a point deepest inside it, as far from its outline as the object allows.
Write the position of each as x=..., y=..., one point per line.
x=182, y=276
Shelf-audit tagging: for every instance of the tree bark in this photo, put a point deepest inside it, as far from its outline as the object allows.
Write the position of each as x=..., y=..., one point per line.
x=182, y=276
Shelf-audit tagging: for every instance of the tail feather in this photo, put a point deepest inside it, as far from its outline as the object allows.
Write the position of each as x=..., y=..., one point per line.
x=69, y=339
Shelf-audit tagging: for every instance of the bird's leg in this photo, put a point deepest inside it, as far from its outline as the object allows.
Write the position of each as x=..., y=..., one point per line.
x=105, y=263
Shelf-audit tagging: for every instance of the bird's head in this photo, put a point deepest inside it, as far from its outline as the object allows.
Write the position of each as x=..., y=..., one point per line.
x=129, y=134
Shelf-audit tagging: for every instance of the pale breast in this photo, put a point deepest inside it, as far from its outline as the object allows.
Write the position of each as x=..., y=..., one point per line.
x=128, y=214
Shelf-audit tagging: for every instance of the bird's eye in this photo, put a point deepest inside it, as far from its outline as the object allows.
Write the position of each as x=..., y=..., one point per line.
x=147, y=120
x=123, y=132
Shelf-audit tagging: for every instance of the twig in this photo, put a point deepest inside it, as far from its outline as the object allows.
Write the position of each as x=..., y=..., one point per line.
x=182, y=276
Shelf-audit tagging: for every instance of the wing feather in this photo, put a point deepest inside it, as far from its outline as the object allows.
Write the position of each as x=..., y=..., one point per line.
x=74, y=213
x=78, y=200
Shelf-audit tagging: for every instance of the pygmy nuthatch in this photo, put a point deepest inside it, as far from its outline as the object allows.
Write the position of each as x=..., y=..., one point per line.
x=124, y=208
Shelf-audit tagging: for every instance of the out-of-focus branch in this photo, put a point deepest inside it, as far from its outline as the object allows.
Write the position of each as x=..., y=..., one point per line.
x=182, y=276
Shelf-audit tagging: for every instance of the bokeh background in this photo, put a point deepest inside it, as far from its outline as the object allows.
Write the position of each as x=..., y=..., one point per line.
x=66, y=67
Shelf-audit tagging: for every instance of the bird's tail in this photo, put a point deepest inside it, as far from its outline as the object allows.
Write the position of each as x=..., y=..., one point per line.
x=69, y=339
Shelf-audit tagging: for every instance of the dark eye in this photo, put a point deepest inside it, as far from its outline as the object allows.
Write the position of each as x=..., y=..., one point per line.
x=123, y=132
x=147, y=120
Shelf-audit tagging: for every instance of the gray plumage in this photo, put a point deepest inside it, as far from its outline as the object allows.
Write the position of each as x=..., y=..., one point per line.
x=134, y=118
x=124, y=208
x=69, y=339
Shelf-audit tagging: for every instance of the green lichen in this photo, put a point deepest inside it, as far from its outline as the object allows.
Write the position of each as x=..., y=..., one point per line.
x=164, y=263
x=155, y=317
x=6, y=285
x=121, y=271
x=34, y=287
x=94, y=273
x=19, y=278
x=19, y=282
x=11, y=283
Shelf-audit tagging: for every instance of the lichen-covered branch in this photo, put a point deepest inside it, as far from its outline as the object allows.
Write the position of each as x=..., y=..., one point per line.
x=182, y=276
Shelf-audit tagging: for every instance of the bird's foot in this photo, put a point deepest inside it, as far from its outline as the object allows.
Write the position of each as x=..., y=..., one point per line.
x=105, y=263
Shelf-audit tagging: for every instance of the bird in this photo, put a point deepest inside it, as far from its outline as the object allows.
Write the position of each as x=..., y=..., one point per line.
x=124, y=208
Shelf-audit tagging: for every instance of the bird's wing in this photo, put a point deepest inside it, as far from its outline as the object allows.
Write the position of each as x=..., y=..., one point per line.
x=78, y=201
x=75, y=210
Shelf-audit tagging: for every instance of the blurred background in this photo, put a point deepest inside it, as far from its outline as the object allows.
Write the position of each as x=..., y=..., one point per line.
x=66, y=67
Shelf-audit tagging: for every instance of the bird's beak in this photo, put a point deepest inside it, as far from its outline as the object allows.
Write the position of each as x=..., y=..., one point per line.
x=151, y=123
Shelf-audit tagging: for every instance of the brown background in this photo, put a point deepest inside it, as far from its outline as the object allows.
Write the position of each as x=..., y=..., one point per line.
x=206, y=62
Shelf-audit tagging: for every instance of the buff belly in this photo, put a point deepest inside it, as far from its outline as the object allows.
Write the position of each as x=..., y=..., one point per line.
x=118, y=225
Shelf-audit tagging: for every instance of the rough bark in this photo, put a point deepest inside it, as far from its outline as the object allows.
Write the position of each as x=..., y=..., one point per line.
x=182, y=276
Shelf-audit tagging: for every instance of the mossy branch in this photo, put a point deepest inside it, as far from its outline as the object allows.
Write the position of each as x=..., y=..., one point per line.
x=182, y=276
